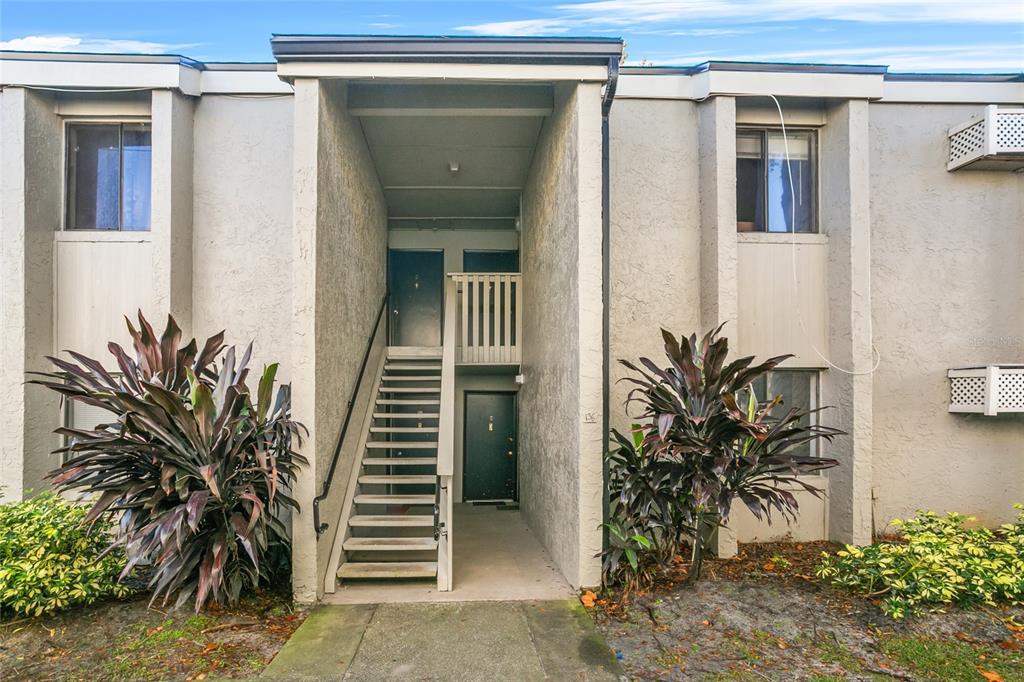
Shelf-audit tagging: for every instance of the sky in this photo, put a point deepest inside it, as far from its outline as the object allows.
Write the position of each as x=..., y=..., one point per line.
x=919, y=36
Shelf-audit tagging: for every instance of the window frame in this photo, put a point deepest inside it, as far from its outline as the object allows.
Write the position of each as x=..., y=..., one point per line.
x=66, y=199
x=814, y=375
x=763, y=131
x=68, y=417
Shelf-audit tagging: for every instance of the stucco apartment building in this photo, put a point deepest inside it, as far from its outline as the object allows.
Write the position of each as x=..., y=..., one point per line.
x=447, y=243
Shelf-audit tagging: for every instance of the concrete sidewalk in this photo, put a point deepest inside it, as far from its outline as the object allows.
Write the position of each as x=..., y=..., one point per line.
x=464, y=641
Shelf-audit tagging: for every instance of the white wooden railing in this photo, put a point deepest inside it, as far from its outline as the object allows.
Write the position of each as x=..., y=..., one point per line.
x=446, y=444
x=489, y=317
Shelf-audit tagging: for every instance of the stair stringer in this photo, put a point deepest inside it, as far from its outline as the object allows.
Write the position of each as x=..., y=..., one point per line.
x=342, y=530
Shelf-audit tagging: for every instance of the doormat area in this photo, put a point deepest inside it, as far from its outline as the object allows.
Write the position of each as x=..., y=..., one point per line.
x=508, y=507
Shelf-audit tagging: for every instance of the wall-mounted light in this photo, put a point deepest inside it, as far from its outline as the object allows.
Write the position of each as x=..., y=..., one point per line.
x=453, y=166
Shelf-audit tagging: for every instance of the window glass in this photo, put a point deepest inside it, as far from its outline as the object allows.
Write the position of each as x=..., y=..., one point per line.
x=749, y=182
x=94, y=162
x=108, y=176
x=135, y=176
x=790, y=206
x=798, y=388
x=765, y=198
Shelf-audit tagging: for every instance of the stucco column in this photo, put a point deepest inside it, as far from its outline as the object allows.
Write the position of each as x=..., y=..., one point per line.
x=591, y=349
x=303, y=359
x=845, y=216
x=171, y=217
x=30, y=200
x=716, y=122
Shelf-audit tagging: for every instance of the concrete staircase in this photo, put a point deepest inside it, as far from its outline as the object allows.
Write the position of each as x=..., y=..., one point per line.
x=390, y=533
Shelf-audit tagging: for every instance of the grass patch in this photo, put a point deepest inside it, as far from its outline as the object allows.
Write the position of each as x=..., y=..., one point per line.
x=174, y=647
x=952, y=660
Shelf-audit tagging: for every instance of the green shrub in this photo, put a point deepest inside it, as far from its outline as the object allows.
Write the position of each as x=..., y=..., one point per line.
x=938, y=561
x=50, y=559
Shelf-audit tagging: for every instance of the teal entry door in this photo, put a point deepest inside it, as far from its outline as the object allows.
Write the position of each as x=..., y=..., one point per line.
x=415, y=283
x=489, y=447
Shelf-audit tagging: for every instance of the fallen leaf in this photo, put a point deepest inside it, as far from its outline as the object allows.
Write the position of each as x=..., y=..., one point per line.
x=769, y=566
x=706, y=623
x=587, y=599
x=991, y=676
x=211, y=647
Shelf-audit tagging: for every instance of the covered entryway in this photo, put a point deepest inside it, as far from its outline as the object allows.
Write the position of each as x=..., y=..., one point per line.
x=488, y=155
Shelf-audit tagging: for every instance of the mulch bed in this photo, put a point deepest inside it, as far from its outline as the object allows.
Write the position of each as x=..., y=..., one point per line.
x=127, y=640
x=764, y=615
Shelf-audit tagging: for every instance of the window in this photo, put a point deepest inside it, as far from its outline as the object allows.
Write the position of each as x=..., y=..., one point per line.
x=108, y=176
x=765, y=200
x=798, y=388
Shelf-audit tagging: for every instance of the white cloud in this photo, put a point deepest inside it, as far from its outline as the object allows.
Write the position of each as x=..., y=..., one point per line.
x=636, y=13
x=526, y=27
x=628, y=12
x=716, y=32
x=59, y=43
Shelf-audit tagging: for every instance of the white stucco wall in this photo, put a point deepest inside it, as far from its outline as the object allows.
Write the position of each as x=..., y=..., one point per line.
x=171, y=220
x=560, y=403
x=655, y=233
x=242, y=224
x=947, y=279
x=339, y=249
x=30, y=179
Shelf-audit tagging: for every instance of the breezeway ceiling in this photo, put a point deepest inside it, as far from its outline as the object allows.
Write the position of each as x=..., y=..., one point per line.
x=451, y=156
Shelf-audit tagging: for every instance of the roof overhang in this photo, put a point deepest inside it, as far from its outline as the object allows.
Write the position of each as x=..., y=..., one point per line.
x=460, y=58
x=837, y=81
x=98, y=72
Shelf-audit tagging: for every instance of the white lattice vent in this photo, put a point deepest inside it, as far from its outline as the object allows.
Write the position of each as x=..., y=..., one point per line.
x=987, y=389
x=993, y=140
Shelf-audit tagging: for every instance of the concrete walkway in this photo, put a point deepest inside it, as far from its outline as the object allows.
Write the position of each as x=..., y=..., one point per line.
x=497, y=558
x=464, y=641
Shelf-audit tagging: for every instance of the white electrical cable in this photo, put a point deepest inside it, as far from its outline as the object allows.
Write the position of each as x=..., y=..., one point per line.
x=82, y=90
x=796, y=287
x=269, y=95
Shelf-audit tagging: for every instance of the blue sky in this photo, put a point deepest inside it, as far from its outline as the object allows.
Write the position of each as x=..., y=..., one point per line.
x=923, y=35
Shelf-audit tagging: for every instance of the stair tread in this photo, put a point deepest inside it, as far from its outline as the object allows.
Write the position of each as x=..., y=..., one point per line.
x=409, y=352
x=395, y=520
x=406, y=415
x=403, y=429
x=399, y=461
x=397, y=444
x=406, y=544
x=412, y=377
x=388, y=569
x=405, y=366
x=397, y=479
x=409, y=389
x=407, y=401
x=394, y=499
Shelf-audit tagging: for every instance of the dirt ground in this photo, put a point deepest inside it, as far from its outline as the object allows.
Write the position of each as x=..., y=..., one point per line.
x=126, y=640
x=762, y=616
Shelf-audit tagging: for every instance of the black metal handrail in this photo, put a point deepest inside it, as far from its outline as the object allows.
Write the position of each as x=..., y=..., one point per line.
x=321, y=527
